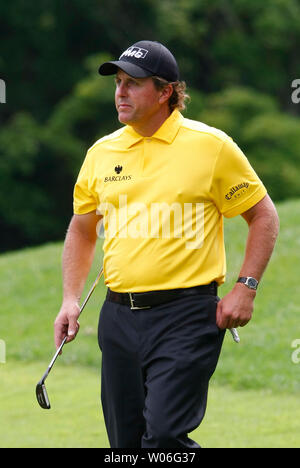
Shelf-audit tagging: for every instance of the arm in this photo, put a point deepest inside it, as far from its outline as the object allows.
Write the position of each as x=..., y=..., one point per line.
x=78, y=254
x=235, y=309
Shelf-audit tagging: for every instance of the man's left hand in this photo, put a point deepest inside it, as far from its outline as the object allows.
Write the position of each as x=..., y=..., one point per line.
x=235, y=309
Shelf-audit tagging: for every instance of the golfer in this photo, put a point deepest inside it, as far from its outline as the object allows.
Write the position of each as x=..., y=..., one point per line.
x=161, y=184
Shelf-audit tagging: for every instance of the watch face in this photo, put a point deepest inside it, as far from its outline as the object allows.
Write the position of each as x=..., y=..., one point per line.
x=252, y=283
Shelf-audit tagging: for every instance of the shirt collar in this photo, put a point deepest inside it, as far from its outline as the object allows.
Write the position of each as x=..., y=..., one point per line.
x=167, y=132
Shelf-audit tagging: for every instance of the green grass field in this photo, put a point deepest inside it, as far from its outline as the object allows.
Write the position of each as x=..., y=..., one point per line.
x=254, y=394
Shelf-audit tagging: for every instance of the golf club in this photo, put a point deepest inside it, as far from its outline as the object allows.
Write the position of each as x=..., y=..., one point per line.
x=41, y=392
x=235, y=335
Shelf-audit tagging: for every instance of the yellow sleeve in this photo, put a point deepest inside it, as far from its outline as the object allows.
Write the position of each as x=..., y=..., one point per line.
x=235, y=185
x=84, y=198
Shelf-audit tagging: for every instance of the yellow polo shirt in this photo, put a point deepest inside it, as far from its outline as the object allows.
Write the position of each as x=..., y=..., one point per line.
x=163, y=200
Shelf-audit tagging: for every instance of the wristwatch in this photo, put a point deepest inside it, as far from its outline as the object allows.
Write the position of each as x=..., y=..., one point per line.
x=248, y=281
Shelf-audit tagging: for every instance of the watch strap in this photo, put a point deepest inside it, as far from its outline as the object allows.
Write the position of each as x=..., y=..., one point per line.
x=248, y=281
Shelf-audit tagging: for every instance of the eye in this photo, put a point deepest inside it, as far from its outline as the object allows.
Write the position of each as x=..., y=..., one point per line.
x=133, y=82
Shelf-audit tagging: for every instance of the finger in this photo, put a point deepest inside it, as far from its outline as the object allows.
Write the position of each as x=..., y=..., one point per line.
x=234, y=324
x=73, y=329
x=221, y=320
x=60, y=331
x=219, y=314
x=242, y=324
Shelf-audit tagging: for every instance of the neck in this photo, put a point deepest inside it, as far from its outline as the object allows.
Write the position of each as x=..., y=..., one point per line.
x=151, y=125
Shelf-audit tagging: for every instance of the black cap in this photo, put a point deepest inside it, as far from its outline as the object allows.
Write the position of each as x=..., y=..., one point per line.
x=142, y=59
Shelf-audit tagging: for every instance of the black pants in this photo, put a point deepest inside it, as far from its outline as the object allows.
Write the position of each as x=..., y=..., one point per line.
x=156, y=366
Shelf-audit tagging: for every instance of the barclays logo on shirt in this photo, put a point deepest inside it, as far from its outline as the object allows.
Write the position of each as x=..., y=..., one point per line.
x=118, y=178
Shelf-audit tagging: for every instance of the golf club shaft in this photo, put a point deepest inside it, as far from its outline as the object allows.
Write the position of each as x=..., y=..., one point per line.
x=54, y=358
x=91, y=290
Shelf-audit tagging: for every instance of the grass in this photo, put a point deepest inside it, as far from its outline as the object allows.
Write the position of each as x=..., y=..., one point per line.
x=234, y=419
x=75, y=419
x=253, y=400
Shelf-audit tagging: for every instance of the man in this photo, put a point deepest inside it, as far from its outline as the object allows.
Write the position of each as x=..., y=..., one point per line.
x=162, y=184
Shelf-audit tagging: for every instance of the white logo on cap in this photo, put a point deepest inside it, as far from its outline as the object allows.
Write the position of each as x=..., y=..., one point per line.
x=136, y=52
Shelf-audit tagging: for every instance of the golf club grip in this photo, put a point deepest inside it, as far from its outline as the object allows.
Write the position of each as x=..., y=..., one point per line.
x=235, y=335
x=81, y=309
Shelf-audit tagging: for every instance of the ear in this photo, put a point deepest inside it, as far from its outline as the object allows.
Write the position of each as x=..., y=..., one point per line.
x=166, y=93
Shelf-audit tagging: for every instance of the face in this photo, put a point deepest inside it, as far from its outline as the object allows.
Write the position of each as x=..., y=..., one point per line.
x=137, y=100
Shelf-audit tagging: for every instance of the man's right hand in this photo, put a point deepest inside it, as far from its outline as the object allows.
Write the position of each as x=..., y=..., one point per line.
x=66, y=323
x=78, y=255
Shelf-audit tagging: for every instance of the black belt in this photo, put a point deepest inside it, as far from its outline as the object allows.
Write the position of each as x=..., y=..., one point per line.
x=148, y=299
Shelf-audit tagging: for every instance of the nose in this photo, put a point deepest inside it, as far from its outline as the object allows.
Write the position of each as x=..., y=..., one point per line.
x=121, y=89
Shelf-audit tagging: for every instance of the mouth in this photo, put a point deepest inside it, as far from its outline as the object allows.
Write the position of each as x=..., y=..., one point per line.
x=123, y=106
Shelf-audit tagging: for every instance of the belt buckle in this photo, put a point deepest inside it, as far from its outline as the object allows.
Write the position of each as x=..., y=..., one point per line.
x=133, y=306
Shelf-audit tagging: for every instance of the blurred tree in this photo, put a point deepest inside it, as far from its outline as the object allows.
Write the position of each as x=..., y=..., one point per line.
x=268, y=137
x=39, y=163
x=222, y=43
x=238, y=57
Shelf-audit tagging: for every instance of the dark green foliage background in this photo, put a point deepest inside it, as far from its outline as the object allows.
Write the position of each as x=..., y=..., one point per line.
x=238, y=57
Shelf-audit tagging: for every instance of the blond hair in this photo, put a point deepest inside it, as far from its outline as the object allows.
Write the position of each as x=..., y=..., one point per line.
x=179, y=97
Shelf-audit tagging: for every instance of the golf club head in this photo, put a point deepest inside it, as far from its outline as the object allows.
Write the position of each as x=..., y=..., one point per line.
x=40, y=390
x=42, y=395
